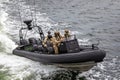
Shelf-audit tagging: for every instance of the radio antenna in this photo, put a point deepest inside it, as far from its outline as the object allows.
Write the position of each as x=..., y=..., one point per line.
x=19, y=12
x=35, y=12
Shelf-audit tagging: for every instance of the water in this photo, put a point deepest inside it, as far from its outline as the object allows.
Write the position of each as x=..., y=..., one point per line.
x=88, y=19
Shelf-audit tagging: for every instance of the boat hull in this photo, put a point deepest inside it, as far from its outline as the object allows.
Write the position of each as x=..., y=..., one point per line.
x=82, y=56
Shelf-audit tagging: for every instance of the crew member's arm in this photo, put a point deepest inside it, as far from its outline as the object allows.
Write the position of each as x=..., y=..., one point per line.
x=44, y=42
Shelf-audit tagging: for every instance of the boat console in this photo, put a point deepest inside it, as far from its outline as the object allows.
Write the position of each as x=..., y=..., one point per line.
x=69, y=46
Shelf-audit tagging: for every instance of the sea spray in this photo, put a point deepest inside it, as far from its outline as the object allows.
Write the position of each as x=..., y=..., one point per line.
x=15, y=67
x=6, y=44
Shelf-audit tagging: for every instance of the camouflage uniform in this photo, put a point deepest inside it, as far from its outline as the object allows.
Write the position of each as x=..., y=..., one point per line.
x=58, y=37
x=66, y=34
x=55, y=45
x=47, y=39
x=51, y=42
x=47, y=42
x=57, y=40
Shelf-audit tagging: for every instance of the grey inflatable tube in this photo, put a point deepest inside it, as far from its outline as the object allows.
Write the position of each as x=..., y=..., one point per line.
x=93, y=55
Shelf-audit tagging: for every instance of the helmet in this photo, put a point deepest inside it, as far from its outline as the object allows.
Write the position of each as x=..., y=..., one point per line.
x=49, y=36
x=49, y=32
x=66, y=31
x=56, y=33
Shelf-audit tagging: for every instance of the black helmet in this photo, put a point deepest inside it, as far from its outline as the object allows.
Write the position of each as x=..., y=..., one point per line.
x=49, y=36
x=66, y=31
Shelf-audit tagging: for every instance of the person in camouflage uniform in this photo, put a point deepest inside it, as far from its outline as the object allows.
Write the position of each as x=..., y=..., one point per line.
x=51, y=41
x=66, y=34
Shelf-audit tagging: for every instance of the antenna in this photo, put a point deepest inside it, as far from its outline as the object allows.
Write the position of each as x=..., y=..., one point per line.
x=35, y=12
x=20, y=14
x=30, y=9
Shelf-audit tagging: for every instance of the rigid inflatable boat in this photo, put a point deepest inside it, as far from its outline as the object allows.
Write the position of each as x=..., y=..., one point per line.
x=71, y=54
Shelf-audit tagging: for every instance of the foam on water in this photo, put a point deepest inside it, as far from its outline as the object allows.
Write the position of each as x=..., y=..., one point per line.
x=6, y=43
x=107, y=70
x=21, y=68
x=18, y=67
